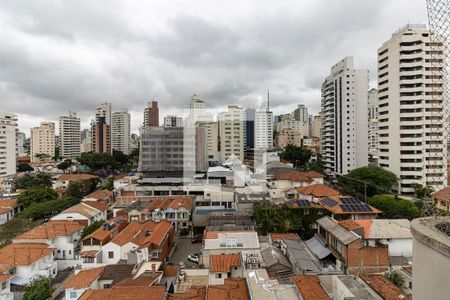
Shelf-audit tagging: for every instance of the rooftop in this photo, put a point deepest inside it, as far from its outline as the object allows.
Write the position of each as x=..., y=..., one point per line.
x=83, y=279
x=343, y=235
x=51, y=230
x=224, y=263
x=70, y=177
x=126, y=293
x=232, y=289
x=170, y=202
x=82, y=209
x=310, y=288
x=143, y=233
x=318, y=190
x=100, y=195
x=22, y=255
x=383, y=287
x=116, y=273
x=380, y=228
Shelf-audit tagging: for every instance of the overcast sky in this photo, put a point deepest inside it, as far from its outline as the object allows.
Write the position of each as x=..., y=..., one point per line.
x=64, y=55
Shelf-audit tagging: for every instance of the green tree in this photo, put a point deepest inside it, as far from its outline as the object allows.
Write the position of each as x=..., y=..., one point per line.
x=395, y=208
x=38, y=289
x=67, y=163
x=109, y=185
x=396, y=278
x=97, y=161
x=42, y=157
x=286, y=220
x=80, y=188
x=133, y=158
x=298, y=156
x=421, y=191
x=47, y=209
x=91, y=228
x=24, y=168
x=14, y=227
x=36, y=194
x=30, y=180
x=368, y=181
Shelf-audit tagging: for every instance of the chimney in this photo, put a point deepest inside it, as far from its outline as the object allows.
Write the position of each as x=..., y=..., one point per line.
x=153, y=268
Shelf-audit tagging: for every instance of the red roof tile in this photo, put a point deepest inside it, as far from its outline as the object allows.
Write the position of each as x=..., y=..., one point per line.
x=288, y=236
x=296, y=176
x=318, y=190
x=232, y=289
x=99, y=205
x=4, y=277
x=224, y=263
x=100, y=195
x=51, y=230
x=21, y=255
x=70, y=177
x=443, y=194
x=309, y=287
x=143, y=234
x=126, y=293
x=383, y=287
x=83, y=279
x=170, y=202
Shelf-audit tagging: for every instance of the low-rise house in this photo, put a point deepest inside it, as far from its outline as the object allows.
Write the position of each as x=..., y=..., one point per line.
x=62, y=236
x=92, y=244
x=100, y=195
x=82, y=281
x=315, y=192
x=25, y=262
x=277, y=265
x=347, y=207
x=228, y=242
x=5, y=290
x=84, y=213
x=354, y=254
x=441, y=199
x=395, y=233
x=8, y=208
x=63, y=180
x=175, y=209
x=308, y=287
x=113, y=274
x=140, y=241
x=127, y=293
x=224, y=266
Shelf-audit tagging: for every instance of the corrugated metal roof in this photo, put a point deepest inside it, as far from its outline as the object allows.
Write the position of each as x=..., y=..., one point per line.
x=342, y=234
x=317, y=248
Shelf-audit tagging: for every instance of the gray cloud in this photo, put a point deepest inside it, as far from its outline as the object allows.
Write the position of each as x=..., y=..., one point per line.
x=72, y=55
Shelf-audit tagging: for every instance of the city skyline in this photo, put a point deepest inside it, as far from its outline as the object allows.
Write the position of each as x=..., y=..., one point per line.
x=129, y=60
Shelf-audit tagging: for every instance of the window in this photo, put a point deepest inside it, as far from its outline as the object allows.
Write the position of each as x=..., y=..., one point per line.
x=4, y=285
x=73, y=294
x=219, y=275
x=110, y=254
x=106, y=286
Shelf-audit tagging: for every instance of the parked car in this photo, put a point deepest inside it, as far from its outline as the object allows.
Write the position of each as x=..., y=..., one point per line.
x=197, y=239
x=194, y=257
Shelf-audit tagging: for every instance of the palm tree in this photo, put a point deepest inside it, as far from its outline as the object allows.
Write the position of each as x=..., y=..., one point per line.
x=286, y=220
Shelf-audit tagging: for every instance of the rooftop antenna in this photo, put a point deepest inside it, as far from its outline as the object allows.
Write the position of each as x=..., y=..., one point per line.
x=268, y=100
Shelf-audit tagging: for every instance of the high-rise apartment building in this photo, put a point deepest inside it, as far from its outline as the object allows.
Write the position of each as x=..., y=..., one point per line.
x=212, y=138
x=42, y=142
x=8, y=126
x=301, y=113
x=344, y=124
x=86, y=141
x=372, y=106
x=69, y=135
x=263, y=129
x=316, y=125
x=101, y=133
x=412, y=133
x=231, y=133
x=20, y=144
x=249, y=128
x=134, y=141
x=121, y=131
x=104, y=110
x=151, y=114
x=173, y=121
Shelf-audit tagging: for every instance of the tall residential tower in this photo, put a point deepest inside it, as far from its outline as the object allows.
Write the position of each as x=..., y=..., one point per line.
x=69, y=134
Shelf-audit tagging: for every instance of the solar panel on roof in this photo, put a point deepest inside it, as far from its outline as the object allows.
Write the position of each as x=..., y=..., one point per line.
x=304, y=203
x=329, y=202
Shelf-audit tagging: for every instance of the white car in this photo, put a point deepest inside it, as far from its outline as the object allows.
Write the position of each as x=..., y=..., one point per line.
x=194, y=257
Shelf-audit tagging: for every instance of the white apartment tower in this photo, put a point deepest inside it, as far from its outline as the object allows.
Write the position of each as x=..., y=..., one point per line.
x=173, y=121
x=263, y=129
x=8, y=126
x=231, y=133
x=411, y=127
x=372, y=107
x=344, y=125
x=69, y=135
x=104, y=110
x=42, y=142
x=121, y=131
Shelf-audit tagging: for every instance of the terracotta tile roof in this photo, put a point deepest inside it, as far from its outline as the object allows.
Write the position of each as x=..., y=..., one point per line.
x=91, y=253
x=5, y=210
x=224, y=263
x=211, y=235
x=4, y=277
x=443, y=194
x=142, y=280
x=309, y=287
x=70, y=177
x=21, y=255
x=101, y=234
x=136, y=233
x=232, y=289
x=126, y=293
x=383, y=287
x=170, y=202
x=355, y=224
x=193, y=293
x=296, y=176
x=85, y=210
x=51, y=230
x=288, y=236
x=8, y=203
x=100, y=195
x=83, y=279
x=314, y=174
x=318, y=190
x=99, y=205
